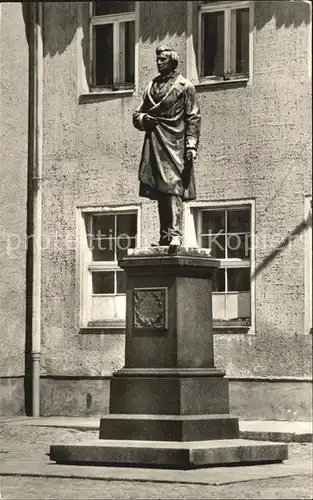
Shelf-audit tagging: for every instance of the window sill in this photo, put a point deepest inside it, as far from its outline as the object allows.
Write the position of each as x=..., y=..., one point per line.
x=104, y=328
x=232, y=329
x=84, y=330
x=103, y=94
x=209, y=84
x=120, y=329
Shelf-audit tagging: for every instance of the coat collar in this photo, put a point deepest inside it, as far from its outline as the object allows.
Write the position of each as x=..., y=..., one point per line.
x=175, y=90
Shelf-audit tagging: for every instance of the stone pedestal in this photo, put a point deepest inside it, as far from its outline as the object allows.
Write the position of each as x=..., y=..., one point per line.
x=169, y=405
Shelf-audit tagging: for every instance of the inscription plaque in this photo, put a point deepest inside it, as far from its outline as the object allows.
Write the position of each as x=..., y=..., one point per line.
x=150, y=308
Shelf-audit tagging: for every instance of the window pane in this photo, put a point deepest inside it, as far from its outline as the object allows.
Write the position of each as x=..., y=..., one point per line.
x=122, y=245
x=216, y=243
x=103, y=282
x=238, y=246
x=129, y=52
x=213, y=43
x=218, y=284
x=103, y=225
x=238, y=309
x=103, y=249
x=104, y=8
x=238, y=221
x=120, y=282
x=103, y=55
x=213, y=221
x=127, y=225
x=238, y=279
x=242, y=41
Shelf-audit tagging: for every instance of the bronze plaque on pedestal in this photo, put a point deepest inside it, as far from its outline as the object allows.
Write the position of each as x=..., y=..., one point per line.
x=150, y=308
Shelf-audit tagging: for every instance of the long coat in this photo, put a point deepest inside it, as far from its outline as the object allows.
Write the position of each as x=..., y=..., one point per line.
x=163, y=167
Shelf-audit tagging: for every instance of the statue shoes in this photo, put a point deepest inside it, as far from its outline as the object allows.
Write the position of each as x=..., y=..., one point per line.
x=175, y=242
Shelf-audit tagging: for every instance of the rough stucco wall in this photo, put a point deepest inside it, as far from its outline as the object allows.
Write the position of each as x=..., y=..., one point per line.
x=84, y=165
x=271, y=400
x=269, y=138
x=161, y=23
x=254, y=136
x=13, y=195
x=81, y=165
x=73, y=398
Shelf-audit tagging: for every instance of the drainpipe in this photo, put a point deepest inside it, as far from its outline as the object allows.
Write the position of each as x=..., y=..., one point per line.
x=36, y=165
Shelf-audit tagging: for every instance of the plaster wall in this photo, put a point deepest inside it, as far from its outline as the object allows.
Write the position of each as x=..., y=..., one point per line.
x=91, y=153
x=13, y=198
x=255, y=144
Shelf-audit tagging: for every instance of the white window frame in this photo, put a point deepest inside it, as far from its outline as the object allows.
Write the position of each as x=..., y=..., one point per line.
x=229, y=38
x=191, y=240
x=308, y=267
x=118, y=56
x=84, y=257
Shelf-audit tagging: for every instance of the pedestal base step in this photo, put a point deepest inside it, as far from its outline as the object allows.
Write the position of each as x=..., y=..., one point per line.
x=169, y=427
x=193, y=454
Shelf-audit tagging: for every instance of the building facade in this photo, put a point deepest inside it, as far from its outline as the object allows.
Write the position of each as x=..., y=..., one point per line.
x=72, y=74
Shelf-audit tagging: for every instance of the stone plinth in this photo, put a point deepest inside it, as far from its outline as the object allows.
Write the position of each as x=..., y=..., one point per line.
x=170, y=454
x=168, y=309
x=169, y=405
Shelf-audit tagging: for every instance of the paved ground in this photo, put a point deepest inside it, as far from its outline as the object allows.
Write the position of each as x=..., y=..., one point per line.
x=25, y=488
x=24, y=460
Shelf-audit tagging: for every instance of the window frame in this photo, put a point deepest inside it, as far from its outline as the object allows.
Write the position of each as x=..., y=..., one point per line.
x=86, y=266
x=191, y=227
x=229, y=45
x=114, y=19
x=110, y=265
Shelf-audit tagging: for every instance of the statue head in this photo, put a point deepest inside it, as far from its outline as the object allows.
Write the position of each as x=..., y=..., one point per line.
x=166, y=58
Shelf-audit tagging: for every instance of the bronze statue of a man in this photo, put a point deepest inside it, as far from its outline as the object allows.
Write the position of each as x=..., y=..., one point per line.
x=170, y=117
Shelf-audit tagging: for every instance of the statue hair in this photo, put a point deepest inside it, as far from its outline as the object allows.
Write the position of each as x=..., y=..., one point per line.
x=170, y=51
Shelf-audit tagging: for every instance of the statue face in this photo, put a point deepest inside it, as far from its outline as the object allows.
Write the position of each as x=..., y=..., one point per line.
x=164, y=62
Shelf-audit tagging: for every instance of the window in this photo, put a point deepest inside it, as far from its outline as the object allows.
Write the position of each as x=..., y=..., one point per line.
x=112, y=44
x=227, y=231
x=224, y=39
x=107, y=237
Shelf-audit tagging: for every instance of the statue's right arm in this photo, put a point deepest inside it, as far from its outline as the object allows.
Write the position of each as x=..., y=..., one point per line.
x=139, y=115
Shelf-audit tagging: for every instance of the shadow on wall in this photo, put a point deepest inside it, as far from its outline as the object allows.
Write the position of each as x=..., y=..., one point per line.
x=286, y=13
x=60, y=25
x=306, y=223
x=26, y=17
x=153, y=25
x=61, y=20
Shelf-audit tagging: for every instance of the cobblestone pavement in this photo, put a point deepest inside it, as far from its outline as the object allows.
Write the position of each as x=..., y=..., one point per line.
x=24, y=443
x=33, y=443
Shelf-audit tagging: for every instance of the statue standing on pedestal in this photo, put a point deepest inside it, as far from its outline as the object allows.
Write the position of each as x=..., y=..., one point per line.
x=171, y=119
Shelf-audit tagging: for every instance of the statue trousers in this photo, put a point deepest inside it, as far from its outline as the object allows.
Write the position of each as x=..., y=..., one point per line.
x=171, y=218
